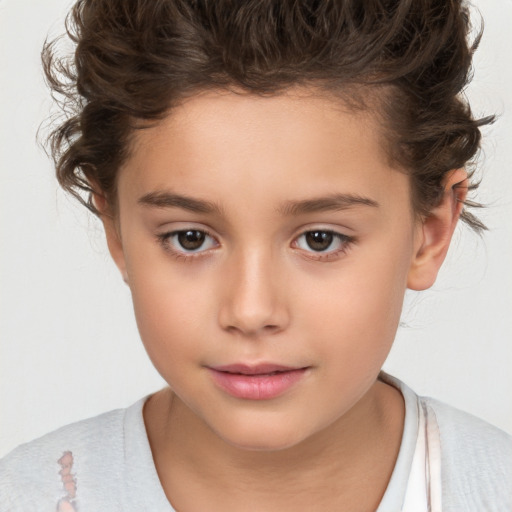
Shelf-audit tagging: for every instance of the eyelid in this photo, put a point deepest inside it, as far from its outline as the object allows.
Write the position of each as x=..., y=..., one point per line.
x=164, y=239
x=347, y=242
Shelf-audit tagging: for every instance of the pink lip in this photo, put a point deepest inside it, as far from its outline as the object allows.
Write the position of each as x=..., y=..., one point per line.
x=259, y=382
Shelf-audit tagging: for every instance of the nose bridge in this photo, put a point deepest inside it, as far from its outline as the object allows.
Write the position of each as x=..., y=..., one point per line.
x=253, y=295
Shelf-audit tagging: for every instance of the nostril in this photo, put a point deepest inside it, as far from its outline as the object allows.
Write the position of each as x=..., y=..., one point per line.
x=252, y=312
x=247, y=331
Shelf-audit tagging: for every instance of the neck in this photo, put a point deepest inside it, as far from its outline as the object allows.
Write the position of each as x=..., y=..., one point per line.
x=358, y=448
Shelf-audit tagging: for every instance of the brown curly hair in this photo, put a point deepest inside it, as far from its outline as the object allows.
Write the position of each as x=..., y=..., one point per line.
x=407, y=61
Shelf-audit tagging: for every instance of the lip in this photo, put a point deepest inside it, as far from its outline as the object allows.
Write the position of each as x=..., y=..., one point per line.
x=256, y=382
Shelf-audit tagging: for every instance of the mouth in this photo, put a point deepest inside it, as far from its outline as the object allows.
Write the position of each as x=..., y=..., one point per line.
x=260, y=369
x=258, y=382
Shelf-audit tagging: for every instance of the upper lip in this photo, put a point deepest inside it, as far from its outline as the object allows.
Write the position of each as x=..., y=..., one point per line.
x=258, y=369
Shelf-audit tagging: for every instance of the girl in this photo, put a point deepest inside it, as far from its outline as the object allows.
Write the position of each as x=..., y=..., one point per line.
x=271, y=177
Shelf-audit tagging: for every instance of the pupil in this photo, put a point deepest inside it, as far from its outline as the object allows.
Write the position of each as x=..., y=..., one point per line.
x=319, y=240
x=191, y=239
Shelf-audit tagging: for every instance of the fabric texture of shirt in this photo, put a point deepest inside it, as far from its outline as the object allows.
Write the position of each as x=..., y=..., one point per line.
x=105, y=463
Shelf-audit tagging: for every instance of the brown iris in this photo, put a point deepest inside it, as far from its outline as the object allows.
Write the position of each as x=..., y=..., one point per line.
x=191, y=239
x=319, y=240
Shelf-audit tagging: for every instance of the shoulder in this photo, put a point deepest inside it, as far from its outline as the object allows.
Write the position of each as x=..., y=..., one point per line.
x=476, y=460
x=476, y=457
x=41, y=474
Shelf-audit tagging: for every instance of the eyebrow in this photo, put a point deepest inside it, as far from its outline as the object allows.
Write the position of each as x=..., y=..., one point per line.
x=335, y=202
x=170, y=200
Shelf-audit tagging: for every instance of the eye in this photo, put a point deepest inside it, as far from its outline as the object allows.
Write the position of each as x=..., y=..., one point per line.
x=187, y=241
x=322, y=241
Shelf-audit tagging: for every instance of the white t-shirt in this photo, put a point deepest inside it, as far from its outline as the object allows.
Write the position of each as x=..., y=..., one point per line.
x=415, y=484
x=105, y=463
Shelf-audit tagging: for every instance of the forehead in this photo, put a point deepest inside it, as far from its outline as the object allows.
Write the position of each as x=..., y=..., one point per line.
x=299, y=113
x=299, y=142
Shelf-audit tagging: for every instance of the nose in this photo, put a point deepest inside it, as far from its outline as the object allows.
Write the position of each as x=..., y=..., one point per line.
x=253, y=296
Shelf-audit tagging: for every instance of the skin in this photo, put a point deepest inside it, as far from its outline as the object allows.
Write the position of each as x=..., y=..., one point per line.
x=256, y=292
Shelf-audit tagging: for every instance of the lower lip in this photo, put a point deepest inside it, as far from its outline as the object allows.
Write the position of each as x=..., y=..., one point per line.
x=257, y=387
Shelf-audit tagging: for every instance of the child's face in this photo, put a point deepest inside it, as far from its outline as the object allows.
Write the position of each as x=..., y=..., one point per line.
x=299, y=246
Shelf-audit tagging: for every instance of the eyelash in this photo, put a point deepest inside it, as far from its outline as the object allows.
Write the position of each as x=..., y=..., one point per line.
x=164, y=240
x=346, y=241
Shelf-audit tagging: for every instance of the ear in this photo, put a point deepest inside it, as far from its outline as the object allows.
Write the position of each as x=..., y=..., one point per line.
x=435, y=232
x=114, y=242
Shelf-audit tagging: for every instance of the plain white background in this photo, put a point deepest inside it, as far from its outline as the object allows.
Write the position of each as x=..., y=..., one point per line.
x=69, y=344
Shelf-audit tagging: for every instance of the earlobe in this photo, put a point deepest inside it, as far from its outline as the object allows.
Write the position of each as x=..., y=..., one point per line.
x=114, y=242
x=436, y=231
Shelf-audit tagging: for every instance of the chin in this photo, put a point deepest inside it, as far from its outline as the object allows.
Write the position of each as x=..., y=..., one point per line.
x=262, y=445
x=262, y=438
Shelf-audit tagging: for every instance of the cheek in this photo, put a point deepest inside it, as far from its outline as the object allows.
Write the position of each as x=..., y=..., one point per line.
x=359, y=308
x=170, y=329
x=173, y=308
